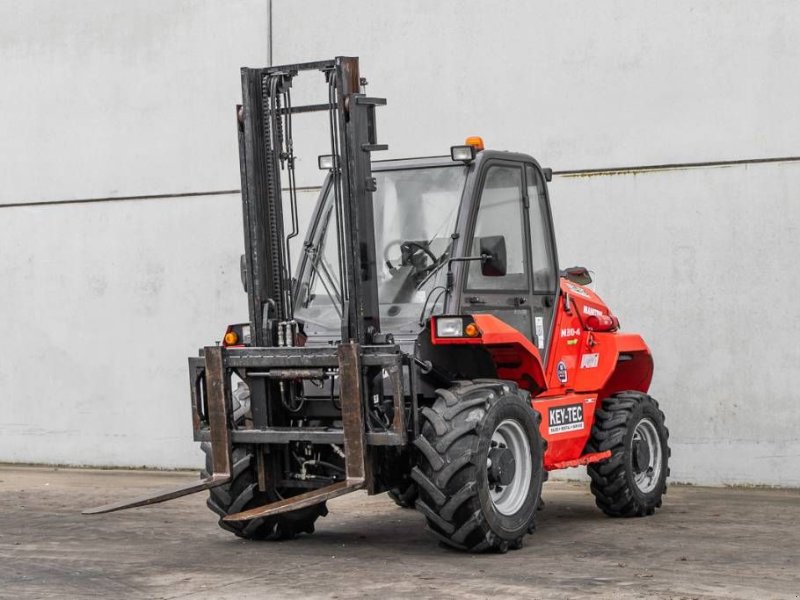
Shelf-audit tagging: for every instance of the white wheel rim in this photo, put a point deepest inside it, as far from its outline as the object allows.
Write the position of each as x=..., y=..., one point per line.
x=647, y=478
x=508, y=499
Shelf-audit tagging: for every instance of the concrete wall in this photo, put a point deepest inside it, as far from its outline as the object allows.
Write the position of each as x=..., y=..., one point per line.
x=105, y=303
x=109, y=100
x=101, y=302
x=578, y=84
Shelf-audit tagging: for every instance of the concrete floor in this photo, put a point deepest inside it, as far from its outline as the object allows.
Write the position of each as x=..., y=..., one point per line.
x=704, y=543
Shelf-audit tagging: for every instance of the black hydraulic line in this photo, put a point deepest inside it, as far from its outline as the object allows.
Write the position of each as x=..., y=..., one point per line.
x=336, y=404
x=337, y=191
x=292, y=192
x=442, y=290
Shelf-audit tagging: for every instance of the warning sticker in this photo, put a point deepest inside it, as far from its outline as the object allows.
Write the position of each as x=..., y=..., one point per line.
x=565, y=418
x=539, y=332
x=590, y=361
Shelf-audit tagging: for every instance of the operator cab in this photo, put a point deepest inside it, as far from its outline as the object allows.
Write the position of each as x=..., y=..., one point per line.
x=428, y=211
x=506, y=198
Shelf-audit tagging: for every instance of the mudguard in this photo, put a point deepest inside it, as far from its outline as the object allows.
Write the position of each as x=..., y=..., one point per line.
x=514, y=355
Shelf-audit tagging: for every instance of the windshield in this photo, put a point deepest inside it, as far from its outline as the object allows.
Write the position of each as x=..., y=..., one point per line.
x=415, y=214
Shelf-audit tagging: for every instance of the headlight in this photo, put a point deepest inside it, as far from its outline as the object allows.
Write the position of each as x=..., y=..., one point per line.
x=450, y=327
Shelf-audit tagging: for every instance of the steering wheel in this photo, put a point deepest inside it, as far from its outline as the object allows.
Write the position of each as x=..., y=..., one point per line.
x=407, y=244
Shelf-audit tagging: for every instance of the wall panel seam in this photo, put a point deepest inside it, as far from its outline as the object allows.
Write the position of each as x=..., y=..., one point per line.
x=564, y=173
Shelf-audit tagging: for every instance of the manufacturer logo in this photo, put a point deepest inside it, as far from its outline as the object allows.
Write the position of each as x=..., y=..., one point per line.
x=591, y=310
x=561, y=372
x=590, y=361
x=565, y=418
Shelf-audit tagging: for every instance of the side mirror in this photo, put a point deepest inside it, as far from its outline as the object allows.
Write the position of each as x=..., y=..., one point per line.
x=579, y=275
x=493, y=256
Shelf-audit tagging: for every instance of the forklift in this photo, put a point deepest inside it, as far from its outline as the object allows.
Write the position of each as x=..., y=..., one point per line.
x=427, y=344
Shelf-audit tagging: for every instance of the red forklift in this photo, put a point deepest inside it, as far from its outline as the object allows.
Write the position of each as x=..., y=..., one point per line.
x=427, y=345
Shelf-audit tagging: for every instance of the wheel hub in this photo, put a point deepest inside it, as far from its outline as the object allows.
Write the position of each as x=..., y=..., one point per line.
x=641, y=456
x=509, y=467
x=646, y=456
x=501, y=466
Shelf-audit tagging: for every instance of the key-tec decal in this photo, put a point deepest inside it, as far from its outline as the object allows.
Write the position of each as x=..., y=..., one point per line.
x=565, y=418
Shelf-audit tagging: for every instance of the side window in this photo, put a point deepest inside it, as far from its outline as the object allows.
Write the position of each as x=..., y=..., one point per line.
x=500, y=213
x=544, y=276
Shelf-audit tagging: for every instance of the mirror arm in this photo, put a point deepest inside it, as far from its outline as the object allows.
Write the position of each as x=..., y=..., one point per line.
x=449, y=285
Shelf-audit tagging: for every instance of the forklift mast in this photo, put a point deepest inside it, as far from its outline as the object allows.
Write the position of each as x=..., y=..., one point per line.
x=266, y=151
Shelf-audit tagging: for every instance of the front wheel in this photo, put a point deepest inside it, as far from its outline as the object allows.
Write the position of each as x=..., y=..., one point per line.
x=404, y=494
x=242, y=493
x=479, y=472
x=632, y=481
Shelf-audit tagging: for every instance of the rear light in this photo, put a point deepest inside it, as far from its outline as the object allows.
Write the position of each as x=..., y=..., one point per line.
x=602, y=323
x=231, y=338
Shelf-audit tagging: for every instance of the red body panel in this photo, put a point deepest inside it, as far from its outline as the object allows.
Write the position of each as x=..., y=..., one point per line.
x=583, y=367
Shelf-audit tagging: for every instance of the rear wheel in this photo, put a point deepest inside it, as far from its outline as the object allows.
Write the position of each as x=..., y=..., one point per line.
x=242, y=493
x=632, y=481
x=479, y=470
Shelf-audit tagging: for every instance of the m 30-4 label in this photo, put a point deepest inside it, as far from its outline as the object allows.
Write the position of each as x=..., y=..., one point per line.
x=565, y=418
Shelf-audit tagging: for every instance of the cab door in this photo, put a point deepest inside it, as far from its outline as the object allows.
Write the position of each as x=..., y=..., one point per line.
x=501, y=213
x=543, y=261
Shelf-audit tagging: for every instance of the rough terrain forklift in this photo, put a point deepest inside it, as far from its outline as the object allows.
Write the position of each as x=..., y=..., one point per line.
x=427, y=346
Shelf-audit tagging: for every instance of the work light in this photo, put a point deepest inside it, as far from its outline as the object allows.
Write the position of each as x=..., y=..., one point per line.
x=326, y=162
x=463, y=154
